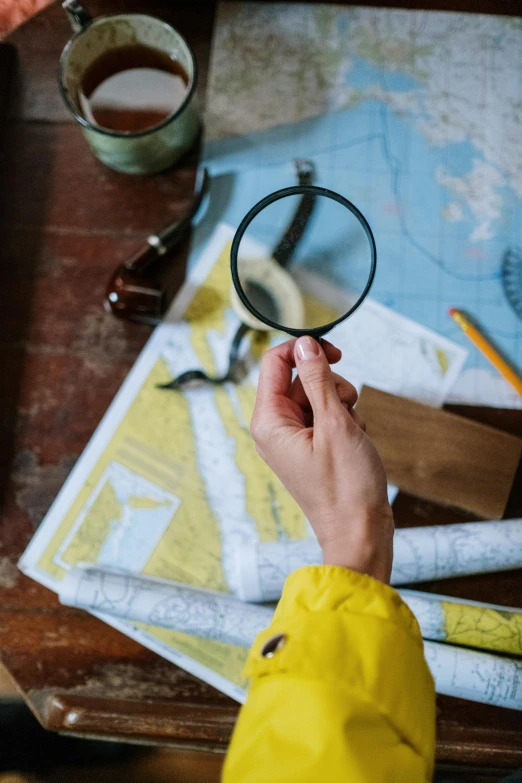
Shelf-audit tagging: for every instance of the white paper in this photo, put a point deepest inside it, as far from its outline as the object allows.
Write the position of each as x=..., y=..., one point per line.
x=457, y=672
x=420, y=555
x=393, y=491
x=172, y=605
x=388, y=351
x=476, y=676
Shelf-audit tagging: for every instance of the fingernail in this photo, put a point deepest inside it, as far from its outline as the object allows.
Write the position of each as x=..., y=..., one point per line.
x=307, y=348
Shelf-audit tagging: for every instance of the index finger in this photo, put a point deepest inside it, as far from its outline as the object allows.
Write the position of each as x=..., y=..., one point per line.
x=275, y=378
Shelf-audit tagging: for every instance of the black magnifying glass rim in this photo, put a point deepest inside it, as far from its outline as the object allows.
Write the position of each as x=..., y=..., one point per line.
x=300, y=190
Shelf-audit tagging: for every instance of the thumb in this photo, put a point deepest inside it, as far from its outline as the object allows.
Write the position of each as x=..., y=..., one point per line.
x=315, y=374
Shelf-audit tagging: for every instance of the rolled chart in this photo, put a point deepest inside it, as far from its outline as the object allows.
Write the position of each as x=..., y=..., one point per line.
x=467, y=623
x=457, y=671
x=420, y=555
x=172, y=605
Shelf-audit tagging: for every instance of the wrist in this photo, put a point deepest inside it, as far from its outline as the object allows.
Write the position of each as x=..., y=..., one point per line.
x=364, y=545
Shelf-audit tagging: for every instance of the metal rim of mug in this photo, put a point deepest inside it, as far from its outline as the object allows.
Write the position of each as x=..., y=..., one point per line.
x=124, y=134
x=299, y=190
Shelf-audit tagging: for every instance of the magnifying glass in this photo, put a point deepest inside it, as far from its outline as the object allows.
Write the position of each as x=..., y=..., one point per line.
x=302, y=261
x=322, y=282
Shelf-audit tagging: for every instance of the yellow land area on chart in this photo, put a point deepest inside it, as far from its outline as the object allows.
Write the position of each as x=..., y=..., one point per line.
x=490, y=629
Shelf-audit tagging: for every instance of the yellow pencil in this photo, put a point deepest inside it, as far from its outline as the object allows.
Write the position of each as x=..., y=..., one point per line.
x=486, y=349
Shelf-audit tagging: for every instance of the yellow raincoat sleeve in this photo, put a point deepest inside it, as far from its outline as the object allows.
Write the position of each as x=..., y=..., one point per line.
x=347, y=696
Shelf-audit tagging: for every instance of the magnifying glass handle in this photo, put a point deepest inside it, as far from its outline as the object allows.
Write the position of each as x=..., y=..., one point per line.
x=287, y=245
x=199, y=376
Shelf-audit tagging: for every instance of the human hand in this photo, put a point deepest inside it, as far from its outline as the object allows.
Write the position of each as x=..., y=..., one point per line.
x=308, y=433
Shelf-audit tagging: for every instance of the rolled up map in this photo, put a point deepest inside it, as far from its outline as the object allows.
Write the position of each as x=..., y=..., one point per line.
x=476, y=676
x=420, y=555
x=467, y=674
x=173, y=605
x=469, y=623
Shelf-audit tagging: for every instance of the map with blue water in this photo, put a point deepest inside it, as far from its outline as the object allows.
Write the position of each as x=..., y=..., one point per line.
x=415, y=117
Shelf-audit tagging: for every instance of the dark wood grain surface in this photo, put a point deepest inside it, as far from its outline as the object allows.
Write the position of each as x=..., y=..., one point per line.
x=65, y=222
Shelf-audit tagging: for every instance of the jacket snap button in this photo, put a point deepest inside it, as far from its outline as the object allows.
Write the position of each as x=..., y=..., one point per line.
x=273, y=645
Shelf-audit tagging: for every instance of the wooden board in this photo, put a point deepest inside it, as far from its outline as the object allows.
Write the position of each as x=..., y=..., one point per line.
x=440, y=456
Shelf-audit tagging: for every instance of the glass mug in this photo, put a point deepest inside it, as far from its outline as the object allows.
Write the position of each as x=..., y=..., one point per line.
x=100, y=63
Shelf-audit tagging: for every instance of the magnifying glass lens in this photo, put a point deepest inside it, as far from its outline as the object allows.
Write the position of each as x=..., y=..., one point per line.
x=302, y=259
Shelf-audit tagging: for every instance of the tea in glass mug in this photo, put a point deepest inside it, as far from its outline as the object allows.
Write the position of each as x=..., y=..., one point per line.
x=129, y=80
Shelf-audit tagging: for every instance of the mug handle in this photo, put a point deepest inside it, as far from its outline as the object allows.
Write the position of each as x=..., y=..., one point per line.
x=78, y=16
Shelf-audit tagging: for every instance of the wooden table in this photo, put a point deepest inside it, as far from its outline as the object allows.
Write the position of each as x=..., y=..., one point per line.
x=66, y=220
